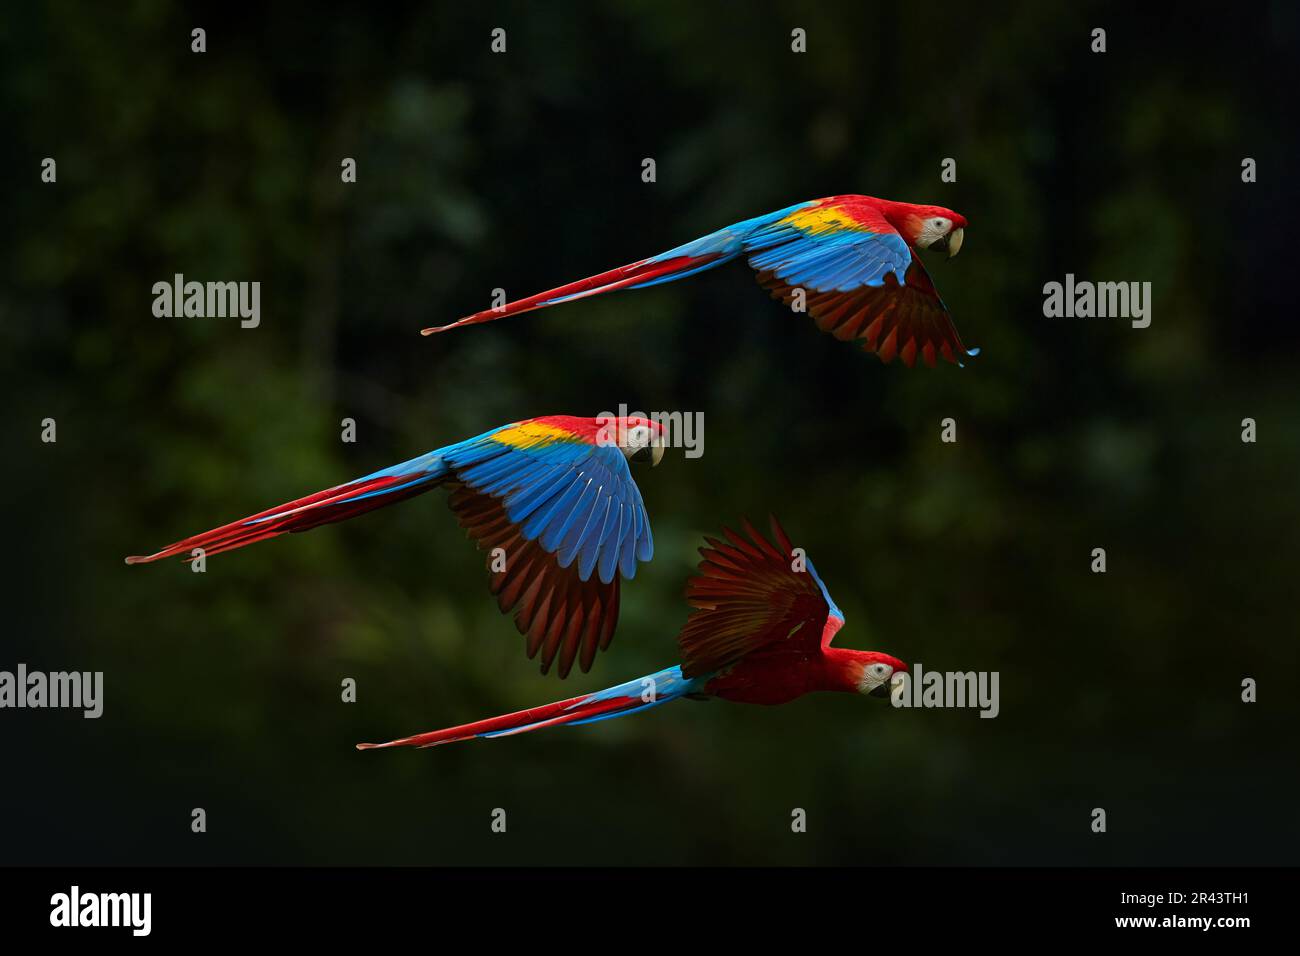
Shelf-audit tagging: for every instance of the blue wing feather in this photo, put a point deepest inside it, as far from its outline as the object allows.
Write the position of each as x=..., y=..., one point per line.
x=562, y=514
x=577, y=500
x=610, y=543
x=576, y=538
x=594, y=535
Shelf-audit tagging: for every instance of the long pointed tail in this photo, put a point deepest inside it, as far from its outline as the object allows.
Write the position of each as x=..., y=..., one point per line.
x=645, y=692
x=644, y=272
x=333, y=504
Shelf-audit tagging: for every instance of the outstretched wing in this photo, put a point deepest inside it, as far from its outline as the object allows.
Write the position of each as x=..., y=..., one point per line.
x=560, y=614
x=751, y=594
x=569, y=522
x=571, y=494
x=858, y=278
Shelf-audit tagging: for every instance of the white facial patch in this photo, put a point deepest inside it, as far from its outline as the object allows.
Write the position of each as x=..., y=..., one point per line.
x=873, y=675
x=933, y=228
x=637, y=437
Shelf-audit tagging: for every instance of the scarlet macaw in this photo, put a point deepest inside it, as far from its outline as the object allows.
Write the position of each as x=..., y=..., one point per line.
x=852, y=259
x=555, y=493
x=760, y=633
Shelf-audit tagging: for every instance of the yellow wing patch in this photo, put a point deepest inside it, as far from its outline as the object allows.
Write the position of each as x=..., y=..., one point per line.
x=529, y=434
x=818, y=219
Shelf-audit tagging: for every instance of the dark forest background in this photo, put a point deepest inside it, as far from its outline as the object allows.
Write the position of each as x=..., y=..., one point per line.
x=522, y=170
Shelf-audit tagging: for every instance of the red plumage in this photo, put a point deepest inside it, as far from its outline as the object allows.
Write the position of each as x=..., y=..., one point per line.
x=631, y=274
x=545, y=715
x=302, y=514
x=760, y=633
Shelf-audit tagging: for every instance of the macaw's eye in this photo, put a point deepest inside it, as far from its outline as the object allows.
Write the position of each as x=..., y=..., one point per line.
x=880, y=670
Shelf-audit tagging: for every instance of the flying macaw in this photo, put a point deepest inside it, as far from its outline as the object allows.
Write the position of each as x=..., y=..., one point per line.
x=851, y=259
x=555, y=493
x=760, y=633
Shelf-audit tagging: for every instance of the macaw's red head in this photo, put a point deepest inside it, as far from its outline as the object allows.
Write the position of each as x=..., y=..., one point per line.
x=879, y=673
x=934, y=227
x=639, y=439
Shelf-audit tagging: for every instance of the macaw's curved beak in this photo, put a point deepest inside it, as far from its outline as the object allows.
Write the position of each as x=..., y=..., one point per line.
x=954, y=241
x=896, y=687
x=881, y=690
x=653, y=453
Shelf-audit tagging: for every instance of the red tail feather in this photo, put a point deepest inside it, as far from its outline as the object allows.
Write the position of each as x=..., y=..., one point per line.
x=632, y=274
x=535, y=718
x=332, y=504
